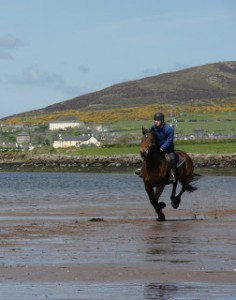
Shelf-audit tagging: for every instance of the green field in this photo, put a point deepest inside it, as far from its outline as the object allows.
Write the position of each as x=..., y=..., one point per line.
x=208, y=147
x=220, y=123
x=201, y=147
x=223, y=123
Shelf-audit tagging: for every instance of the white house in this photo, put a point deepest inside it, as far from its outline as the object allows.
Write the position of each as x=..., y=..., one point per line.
x=75, y=141
x=56, y=125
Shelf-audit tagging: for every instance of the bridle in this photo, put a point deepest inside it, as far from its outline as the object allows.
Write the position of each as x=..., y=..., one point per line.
x=149, y=142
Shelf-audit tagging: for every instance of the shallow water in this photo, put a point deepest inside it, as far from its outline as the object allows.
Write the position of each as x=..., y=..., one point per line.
x=45, y=229
x=32, y=191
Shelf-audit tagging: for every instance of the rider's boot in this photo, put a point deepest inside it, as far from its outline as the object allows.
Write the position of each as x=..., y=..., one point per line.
x=138, y=172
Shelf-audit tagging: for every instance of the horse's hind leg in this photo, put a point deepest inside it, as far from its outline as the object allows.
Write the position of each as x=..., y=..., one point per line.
x=175, y=202
x=172, y=197
x=185, y=187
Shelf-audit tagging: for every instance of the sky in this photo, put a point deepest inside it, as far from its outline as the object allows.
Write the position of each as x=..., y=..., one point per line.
x=55, y=50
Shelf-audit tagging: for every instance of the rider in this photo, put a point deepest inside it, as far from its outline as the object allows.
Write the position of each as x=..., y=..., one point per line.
x=165, y=134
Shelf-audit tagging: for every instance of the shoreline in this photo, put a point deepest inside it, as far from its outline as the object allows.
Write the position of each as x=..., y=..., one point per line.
x=106, y=163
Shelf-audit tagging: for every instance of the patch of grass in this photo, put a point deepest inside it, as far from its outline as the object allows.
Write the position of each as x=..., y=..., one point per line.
x=201, y=147
x=207, y=147
x=223, y=123
x=101, y=151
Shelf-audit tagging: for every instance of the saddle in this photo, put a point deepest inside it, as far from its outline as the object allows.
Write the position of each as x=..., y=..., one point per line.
x=179, y=160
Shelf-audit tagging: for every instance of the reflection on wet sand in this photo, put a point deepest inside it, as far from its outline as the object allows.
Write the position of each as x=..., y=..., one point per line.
x=191, y=245
x=184, y=291
x=116, y=291
x=166, y=240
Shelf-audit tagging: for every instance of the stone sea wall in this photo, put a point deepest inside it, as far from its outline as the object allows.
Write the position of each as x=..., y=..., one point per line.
x=214, y=160
x=101, y=163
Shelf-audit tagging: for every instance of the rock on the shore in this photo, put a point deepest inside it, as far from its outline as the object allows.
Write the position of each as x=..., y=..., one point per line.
x=214, y=160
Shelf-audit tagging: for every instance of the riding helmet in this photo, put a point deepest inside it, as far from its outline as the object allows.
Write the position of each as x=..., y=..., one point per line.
x=159, y=116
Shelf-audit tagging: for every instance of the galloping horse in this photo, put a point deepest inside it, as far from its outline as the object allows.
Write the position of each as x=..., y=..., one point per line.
x=156, y=172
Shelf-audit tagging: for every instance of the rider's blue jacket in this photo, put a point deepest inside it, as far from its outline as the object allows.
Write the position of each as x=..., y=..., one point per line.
x=165, y=135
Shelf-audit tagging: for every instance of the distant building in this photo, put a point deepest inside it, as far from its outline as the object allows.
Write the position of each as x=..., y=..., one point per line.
x=23, y=138
x=75, y=141
x=57, y=125
x=199, y=133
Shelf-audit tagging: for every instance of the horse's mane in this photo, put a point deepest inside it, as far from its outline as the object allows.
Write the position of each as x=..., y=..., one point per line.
x=155, y=136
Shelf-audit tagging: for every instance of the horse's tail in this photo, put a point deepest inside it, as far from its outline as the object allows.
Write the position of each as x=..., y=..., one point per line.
x=190, y=188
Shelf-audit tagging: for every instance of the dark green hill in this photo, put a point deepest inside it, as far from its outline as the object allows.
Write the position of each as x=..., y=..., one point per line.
x=205, y=83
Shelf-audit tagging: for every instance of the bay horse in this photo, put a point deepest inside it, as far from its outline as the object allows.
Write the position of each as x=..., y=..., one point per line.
x=156, y=172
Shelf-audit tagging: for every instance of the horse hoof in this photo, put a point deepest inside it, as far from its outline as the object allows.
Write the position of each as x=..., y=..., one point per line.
x=175, y=203
x=162, y=205
x=161, y=217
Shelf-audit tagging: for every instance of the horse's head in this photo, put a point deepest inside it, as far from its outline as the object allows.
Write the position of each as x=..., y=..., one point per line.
x=148, y=142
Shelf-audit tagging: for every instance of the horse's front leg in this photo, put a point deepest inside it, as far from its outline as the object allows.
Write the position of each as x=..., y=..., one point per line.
x=154, y=197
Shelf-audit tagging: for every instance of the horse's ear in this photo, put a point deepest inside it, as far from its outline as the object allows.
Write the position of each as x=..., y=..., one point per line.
x=152, y=130
x=144, y=130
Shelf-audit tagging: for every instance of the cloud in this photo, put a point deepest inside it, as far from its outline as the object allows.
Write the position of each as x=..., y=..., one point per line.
x=5, y=55
x=83, y=69
x=9, y=41
x=33, y=76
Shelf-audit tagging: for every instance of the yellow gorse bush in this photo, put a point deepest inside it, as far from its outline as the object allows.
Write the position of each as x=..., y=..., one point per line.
x=116, y=114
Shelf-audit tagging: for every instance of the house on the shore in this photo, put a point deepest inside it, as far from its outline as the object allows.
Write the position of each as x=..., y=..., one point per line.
x=75, y=141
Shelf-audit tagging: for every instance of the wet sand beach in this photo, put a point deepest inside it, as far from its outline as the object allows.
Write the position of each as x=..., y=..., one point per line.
x=118, y=251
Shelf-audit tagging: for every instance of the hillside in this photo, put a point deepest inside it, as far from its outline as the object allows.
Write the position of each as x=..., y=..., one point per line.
x=207, y=85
